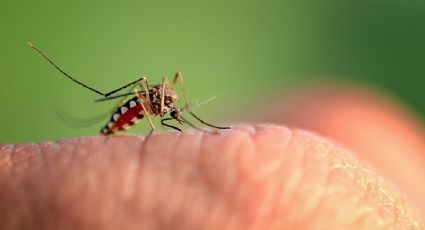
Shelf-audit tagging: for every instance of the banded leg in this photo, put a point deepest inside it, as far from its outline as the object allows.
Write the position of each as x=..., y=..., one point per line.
x=144, y=86
x=123, y=87
x=63, y=72
x=84, y=85
x=123, y=99
x=135, y=83
x=179, y=76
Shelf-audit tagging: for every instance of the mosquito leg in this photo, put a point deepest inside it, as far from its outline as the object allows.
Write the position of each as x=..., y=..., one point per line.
x=143, y=100
x=179, y=76
x=146, y=89
x=82, y=84
x=123, y=99
x=205, y=123
x=193, y=126
x=125, y=86
x=170, y=126
x=149, y=134
x=63, y=72
x=165, y=84
x=144, y=86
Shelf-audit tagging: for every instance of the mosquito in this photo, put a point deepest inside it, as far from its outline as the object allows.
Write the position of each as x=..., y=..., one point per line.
x=139, y=101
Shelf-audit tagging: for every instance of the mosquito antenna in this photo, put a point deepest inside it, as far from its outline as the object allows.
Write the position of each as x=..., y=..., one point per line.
x=205, y=123
x=63, y=72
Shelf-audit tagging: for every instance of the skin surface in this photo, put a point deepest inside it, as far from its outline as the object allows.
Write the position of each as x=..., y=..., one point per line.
x=380, y=131
x=249, y=177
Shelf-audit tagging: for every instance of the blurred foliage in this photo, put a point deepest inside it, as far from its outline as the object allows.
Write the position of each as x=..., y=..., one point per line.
x=232, y=49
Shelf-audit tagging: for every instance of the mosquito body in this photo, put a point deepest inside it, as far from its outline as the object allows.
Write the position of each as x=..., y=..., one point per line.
x=124, y=117
x=131, y=112
x=155, y=100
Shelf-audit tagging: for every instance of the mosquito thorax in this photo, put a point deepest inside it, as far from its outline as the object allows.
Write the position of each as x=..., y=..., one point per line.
x=170, y=99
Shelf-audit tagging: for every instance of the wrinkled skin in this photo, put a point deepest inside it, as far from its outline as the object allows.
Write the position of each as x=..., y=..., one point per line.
x=249, y=177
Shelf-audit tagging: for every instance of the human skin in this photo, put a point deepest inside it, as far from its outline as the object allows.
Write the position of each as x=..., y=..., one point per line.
x=377, y=128
x=249, y=177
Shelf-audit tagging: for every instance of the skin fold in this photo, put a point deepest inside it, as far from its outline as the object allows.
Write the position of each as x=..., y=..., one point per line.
x=249, y=177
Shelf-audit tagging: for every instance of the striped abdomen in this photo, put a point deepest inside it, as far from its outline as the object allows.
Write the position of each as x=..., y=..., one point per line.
x=126, y=115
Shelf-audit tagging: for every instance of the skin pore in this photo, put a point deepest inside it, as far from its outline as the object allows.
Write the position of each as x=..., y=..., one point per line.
x=248, y=177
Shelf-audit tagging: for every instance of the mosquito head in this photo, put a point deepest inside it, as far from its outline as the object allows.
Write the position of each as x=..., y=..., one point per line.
x=176, y=113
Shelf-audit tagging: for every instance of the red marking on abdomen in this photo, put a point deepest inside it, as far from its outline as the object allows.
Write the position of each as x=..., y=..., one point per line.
x=128, y=116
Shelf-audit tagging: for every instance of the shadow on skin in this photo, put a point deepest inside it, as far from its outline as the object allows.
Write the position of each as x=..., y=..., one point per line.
x=249, y=177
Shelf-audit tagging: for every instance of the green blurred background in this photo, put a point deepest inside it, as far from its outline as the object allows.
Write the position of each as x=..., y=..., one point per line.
x=234, y=50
